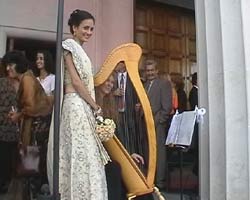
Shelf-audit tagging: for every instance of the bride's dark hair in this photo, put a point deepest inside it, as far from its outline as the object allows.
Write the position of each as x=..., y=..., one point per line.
x=77, y=16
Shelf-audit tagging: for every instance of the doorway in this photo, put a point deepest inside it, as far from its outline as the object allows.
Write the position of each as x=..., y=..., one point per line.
x=30, y=47
x=168, y=35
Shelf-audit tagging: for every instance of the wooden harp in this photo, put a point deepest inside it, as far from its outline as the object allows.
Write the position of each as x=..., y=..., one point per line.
x=136, y=183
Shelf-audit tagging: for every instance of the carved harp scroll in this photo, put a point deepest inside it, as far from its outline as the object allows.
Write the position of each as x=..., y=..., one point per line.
x=136, y=183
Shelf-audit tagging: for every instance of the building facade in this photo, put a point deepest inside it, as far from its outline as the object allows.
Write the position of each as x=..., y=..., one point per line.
x=223, y=63
x=38, y=20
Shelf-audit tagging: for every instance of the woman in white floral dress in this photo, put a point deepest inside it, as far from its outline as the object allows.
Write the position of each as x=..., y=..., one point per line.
x=82, y=156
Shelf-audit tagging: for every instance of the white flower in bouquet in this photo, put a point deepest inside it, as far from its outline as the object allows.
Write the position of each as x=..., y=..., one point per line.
x=105, y=128
x=99, y=119
x=107, y=121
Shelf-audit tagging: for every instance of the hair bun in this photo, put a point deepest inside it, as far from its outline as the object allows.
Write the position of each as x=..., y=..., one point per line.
x=73, y=15
x=77, y=16
x=76, y=11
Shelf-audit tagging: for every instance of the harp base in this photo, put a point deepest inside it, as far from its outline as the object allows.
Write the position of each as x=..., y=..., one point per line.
x=156, y=191
x=140, y=193
x=131, y=197
x=158, y=194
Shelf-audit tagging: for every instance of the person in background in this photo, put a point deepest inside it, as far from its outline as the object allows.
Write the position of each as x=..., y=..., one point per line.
x=128, y=130
x=179, y=86
x=160, y=97
x=82, y=156
x=125, y=98
x=193, y=94
x=142, y=75
x=2, y=70
x=32, y=102
x=44, y=68
x=8, y=131
x=28, y=106
x=106, y=100
x=167, y=77
x=193, y=100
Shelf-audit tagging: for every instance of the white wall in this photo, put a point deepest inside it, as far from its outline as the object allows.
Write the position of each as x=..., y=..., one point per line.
x=17, y=17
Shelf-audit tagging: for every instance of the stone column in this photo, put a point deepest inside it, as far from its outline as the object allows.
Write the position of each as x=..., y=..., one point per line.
x=3, y=42
x=223, y=61
x=245, y=6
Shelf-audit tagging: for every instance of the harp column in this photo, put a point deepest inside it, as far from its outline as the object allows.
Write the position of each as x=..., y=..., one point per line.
x=223, y=49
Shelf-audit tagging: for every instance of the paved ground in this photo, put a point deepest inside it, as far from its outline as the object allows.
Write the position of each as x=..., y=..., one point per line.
x=178, y=197
x=168, y=196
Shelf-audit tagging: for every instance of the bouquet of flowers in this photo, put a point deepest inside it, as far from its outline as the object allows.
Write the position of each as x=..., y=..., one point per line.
x=105, y=128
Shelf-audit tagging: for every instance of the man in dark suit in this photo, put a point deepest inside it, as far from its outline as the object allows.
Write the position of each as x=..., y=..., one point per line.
x=126, y=131
x=126, y=98
x=160, y=96
x=193, y=100
x=193, y=94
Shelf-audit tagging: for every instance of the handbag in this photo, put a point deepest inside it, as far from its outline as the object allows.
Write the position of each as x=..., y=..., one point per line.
x=28, y=159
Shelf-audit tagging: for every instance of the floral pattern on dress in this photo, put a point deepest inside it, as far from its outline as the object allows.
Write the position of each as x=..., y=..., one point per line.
x=82, y=64
x=81, y=172
x=8, y=129
x=82, y=155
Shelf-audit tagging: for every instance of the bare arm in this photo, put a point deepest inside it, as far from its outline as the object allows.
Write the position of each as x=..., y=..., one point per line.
x=77, y=83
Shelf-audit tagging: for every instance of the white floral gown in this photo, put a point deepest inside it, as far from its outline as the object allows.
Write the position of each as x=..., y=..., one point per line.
x=82, y=156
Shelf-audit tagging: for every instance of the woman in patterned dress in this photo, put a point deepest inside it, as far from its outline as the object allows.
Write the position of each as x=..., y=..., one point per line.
x=8, y=131
x=82, y=156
